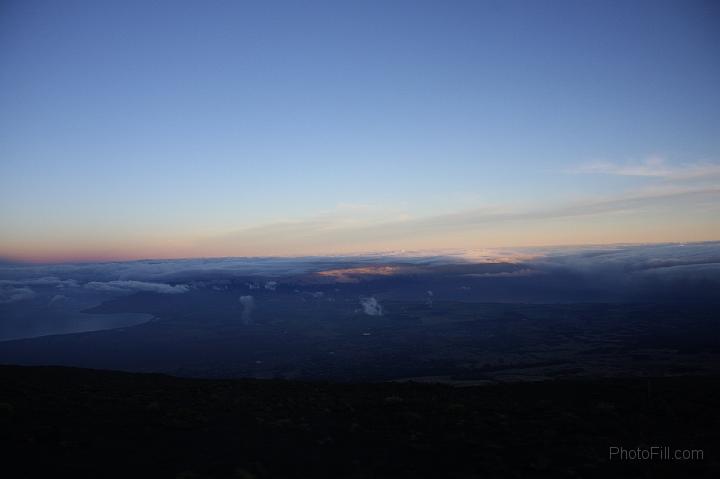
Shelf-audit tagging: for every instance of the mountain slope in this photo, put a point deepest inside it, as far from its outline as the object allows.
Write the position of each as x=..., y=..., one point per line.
x=91, y=423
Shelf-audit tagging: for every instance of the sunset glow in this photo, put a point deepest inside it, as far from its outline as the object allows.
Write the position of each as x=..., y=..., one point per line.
x=370, y=127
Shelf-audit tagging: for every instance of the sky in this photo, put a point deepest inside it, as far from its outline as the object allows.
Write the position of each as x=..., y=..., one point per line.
x=170, y=129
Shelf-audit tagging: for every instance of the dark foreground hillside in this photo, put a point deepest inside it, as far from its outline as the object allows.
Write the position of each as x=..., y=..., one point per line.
x=89, y=423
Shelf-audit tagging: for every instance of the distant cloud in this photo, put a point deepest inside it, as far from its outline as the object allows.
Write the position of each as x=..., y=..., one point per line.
x=271, y=285
x=582, y=273
x=371, y=306
x=248, y=304
x=129, y=286
x=313, y=234
x=44, y=281
x=626, y=260
x=653, y=167
x=355, y=274
x=58, y=298
x=11, y=294
x=506, y=274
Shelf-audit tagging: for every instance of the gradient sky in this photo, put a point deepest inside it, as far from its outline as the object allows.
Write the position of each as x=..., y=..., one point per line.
x=135, y=129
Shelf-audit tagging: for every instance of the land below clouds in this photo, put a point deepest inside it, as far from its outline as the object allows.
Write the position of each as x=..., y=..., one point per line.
x=593, y=312
x=204, y=335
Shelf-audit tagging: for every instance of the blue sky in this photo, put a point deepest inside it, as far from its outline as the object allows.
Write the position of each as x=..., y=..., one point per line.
x=164, y=129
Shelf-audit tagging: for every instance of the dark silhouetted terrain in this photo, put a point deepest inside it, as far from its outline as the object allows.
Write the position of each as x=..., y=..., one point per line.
x=62, y=422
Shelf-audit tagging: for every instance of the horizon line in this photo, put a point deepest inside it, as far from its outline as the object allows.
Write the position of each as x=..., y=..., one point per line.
x=10, y=261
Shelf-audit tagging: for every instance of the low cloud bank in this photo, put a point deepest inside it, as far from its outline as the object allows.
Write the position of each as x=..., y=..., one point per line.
x=183, y=270
x=133, y=286
x=654, y=272
x=43, y=281
x=661, y=272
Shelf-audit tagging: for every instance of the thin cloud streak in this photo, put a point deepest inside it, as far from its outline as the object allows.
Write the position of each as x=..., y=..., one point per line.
x=326, y=230
x=687, y=193
x=653, y=168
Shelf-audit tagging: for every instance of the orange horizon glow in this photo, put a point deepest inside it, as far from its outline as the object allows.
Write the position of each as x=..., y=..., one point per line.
x=104, y=256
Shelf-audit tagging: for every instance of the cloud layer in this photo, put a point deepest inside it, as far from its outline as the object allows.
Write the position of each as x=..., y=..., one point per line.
x=134, y=286
x=590, y=273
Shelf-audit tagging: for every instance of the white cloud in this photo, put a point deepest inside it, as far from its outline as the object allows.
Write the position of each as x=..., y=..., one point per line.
x=371, y=306
x=248, y=304
x=128, y=286
x=43, y=281
x=58, y=298
x=653, y=167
